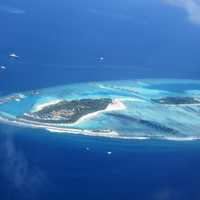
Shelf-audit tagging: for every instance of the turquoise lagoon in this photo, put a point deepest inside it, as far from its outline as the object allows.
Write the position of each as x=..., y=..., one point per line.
x=141, y=118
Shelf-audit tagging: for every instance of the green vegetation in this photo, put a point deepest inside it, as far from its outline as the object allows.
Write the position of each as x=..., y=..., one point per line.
x=68, y=111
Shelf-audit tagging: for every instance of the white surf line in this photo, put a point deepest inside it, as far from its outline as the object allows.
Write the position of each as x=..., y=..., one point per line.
x=49, y=127
x=87, y=132
x=136, y=93
x=187, y=138
x=111, y=134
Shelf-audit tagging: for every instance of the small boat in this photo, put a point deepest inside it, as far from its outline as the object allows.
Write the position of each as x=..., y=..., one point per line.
x=101, y=59
x=3, y=67
x=13, y=55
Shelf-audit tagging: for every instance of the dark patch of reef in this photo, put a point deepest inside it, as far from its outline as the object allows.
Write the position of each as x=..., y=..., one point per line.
x=146, y=123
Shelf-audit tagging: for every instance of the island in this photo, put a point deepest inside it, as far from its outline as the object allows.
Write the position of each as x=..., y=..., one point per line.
x=177, y=100
x=67, y=111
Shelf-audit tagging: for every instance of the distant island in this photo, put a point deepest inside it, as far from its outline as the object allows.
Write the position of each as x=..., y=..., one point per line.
x=67, y=111
x=177, y=100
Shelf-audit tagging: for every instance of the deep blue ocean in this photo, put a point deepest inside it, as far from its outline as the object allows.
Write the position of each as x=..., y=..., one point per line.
x=62, y=42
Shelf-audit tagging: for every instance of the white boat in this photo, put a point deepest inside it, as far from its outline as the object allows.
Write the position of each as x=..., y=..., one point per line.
x=13, y=55
x=3, y=67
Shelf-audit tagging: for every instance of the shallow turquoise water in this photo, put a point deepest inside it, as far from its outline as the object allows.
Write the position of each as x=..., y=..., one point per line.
x=141, y=118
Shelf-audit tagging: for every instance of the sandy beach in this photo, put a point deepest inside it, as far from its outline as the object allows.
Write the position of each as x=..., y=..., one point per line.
x=39, y=107
x=114, y=106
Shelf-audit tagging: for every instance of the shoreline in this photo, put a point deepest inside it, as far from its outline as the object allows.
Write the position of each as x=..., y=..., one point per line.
x=39, y=107
x=181, y=117
x=101, y=133
x=114, y=106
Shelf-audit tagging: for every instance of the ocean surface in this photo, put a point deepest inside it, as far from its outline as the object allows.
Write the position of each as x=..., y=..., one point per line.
x=63, y=42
